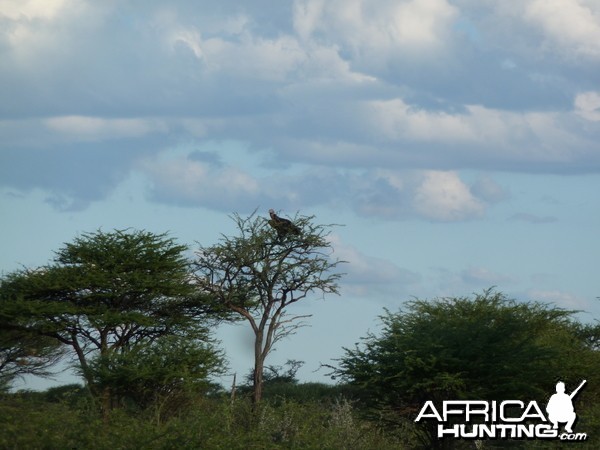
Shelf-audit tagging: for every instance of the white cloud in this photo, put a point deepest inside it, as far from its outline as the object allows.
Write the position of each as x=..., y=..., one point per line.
x=31, y=9
x=432, y=195
x=190, y=38
x=572, y=25
x=392, y=195
x=367, y=275
x=587, y=105
x=484, y=134
x=443, y=196
x=533, y=218
x=197, y=182
x=307, y=14
x=483, y=277
x=398, y=120
x=422, y=23
x=84, y=128
x=265, y=59
x=560, y=298
x=477, y=124
x=376, y=32
x=234, y=50
x=488, y=190
x=39, y=28
x=184, y=181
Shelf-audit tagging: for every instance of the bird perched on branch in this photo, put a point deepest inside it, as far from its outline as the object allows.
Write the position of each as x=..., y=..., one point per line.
x=282, y=226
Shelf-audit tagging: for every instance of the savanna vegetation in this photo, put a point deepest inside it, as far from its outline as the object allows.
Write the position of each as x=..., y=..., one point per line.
x=134, y=313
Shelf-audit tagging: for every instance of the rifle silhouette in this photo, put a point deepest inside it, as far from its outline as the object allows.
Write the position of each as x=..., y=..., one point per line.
x=574, y=393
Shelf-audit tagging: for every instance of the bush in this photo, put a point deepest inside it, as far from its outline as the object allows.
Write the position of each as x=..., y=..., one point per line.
x=32, y=421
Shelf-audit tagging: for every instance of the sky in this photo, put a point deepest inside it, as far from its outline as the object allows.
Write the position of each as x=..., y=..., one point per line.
x=456, y=142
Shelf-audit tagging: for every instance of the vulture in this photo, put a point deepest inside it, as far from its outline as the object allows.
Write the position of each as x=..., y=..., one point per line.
x=282, y=226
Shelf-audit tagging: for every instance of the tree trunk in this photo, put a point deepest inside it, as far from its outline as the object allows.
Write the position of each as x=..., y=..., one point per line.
x=257, y=379
x=258, y=384
x=106, y=402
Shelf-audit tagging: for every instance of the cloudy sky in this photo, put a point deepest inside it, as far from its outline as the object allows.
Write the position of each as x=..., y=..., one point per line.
x=457, y=141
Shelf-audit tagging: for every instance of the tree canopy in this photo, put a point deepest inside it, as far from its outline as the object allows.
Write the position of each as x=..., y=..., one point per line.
x=164, y=373
x=105, y=293
x=487, y=348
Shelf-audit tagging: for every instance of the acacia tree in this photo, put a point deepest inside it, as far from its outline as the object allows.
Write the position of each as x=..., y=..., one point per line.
x=22, y=352
x=488, y=348
x=259, y=273
x=105, y=293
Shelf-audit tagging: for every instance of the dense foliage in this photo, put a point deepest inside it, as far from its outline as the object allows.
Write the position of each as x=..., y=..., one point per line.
x=105, y=296
x=64, y=420
x=485, y=348
x=167, y=372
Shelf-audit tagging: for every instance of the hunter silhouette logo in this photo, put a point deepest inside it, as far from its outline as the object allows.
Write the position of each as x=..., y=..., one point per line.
x=508, y=419
x=560, y=407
